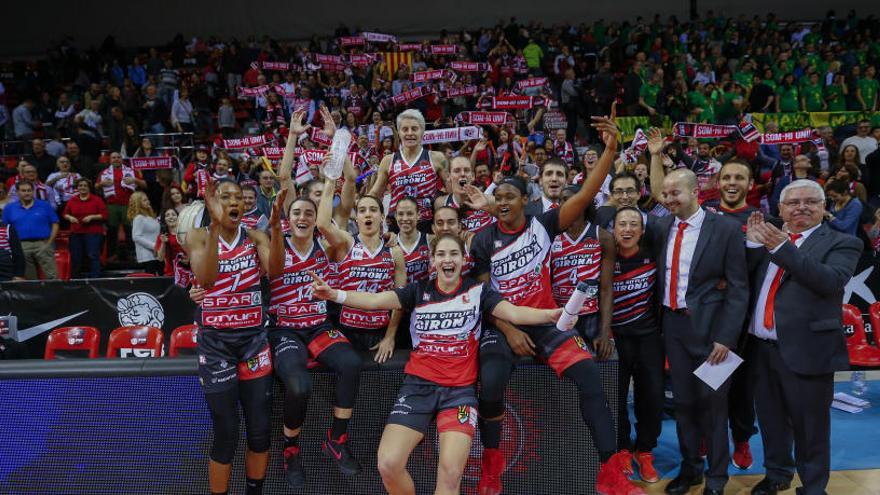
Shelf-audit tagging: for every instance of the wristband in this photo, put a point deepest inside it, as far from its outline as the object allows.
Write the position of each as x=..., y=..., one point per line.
x=340, y=297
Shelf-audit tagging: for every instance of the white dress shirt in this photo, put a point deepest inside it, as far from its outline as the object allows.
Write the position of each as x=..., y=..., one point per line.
x=685, y=256
x=756, y=326
x=547, y=204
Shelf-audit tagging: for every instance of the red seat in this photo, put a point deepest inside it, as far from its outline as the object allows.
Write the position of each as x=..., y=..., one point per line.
x=874, y=317
x=140, y=275
x=183, y=337
x=73, y=339
x=135, y=341
x=62, y=262
x=860, y=352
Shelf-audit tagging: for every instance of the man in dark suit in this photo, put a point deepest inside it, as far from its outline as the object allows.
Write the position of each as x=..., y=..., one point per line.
x=553, y=179
x=797, y=339
x=703, y=287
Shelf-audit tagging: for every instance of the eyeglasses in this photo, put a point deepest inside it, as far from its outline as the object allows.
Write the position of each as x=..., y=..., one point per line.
x=620, y=192
x=811, y=202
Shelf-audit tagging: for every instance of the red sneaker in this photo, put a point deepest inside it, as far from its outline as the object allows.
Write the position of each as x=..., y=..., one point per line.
x=612, y=481
x=645, y=460
x=742, y=455
x=626, y=462
x=493, y=467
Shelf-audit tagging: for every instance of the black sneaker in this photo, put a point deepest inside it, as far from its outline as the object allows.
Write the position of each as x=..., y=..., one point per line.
x=338, y=451
x=296, y=478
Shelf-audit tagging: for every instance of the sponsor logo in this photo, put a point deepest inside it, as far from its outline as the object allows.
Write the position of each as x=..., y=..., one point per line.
x=202, y=359
x=140, y=309
x=232, y=300
x=126, y=352
x=580, y=342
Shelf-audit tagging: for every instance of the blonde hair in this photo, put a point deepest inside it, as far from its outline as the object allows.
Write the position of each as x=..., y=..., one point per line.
x=135, y=206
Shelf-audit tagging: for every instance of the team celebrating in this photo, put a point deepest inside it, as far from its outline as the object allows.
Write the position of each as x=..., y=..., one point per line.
x=479, y=276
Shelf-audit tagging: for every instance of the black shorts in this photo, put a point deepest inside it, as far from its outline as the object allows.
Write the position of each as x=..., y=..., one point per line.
x=587, y=326
x=558, y=349
x=308, y=341
x=363, y=339
x=226, y=356
x=420, y=400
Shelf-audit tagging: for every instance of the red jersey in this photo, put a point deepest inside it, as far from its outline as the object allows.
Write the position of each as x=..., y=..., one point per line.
x=445, y=329
x=417, y=180
x=417, y=258
x=255, y=220
x=574, y=261
x=292, y=303
x=235, y=300
x=363, y=271
x=472, y=220
x=518, y=262
x=635, y=279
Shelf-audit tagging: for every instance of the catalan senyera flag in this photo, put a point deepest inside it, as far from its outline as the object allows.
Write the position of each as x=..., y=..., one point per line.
x=393, y=61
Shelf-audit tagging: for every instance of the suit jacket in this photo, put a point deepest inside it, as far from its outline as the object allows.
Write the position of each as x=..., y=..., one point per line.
x=808, y=304
x=717, y=309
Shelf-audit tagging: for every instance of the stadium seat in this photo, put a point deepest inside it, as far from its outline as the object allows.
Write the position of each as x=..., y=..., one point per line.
x=860, y=353
x=135, y=341
x=183, y=337
x=140, y=275
x=73, y=339
x=874, y=318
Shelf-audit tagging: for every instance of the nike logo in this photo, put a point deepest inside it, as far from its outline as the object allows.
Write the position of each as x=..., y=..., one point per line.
x=337, y=455
x=32, y=332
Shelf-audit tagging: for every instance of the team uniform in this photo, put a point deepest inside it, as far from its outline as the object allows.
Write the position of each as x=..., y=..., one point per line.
x=639, y=345
x=417, y=258
x=442, y=369
x=232, y=337
x=256, y=220
x=363, y=271
x=472, y=220
x=573, y=261
x=417, y=180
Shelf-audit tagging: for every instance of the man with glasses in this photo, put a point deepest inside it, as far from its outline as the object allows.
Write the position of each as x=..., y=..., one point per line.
x=862, y=140
x=796, y=336
x=625, y=192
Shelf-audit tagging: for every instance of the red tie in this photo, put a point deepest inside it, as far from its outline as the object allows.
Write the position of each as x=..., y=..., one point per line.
x=554, y=205
x=774, y=286
x=673, y=279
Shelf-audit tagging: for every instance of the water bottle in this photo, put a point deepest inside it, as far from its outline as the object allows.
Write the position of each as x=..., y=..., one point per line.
x=339, y=148
x=573, y=307
x=859, y=385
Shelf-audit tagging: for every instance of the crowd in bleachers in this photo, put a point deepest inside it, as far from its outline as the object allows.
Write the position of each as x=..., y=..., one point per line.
x=77, y=114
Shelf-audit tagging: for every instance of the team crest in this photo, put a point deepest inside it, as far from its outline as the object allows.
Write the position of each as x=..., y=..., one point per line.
x=580, y=342
x=333, y=333
x=465, y=299
x=463, y=414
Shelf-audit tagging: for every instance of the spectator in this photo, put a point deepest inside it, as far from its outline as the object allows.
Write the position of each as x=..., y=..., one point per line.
x=63, y=181
x=861, y=140
x=266, y=193
x=845, y=211
x=154, y=111
x=173, y=198
x=226, y=118
x=37, y=225
x=137, y=73
x=866, y=90
x=79, y=163
x=41, y=191
x=847, y=173
x=144, y=232
x=4, y=197
x=44, y=161
x=23, y=121
x=118, y=183
x=632, y=85
x=86, y=213
x=169, y=79
x=11, y=255
x=182, y=113
x=533, y=55
x=169, y=250
x=252, y=217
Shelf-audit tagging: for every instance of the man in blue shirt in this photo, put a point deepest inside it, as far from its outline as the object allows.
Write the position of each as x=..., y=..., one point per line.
x=37, y=225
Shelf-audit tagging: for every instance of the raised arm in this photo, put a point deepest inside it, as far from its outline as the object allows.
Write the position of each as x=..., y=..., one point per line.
x=339, y=240
x=655, y=147
x=276, y=240
x=381, y=175
x=523, y=315
x=201, y=244
x=342, y=213
x=285, y=170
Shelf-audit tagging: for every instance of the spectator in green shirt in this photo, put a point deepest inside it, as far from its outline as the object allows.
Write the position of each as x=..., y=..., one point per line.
x=700, y=105
x=649, y=91
x=812, y=96
x=866, y=90
x=533, y=54
x=835, y=94
x=787, y=95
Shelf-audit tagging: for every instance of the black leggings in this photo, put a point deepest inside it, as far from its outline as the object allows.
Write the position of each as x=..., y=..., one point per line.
x=255, y=397
x=291, y=369
x=594, y=406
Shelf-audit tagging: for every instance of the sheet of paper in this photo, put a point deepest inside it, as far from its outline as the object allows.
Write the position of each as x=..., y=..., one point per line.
x=849, y=399
x=716, y=375
x=843, y=406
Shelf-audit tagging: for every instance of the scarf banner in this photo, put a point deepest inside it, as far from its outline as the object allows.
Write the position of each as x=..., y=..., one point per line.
x=532, y=82
x=361, y=59
x=710, y=131
x=636, y=148
x=347, y=41
x=379, y=37
x=430, y=75
x=747, y=129
x=245, y=142
x=317, y=136
x=404, y=98
x=462, y=91
x=452, y=134
x=485, y=118
x=512, y=102
x=789, y=137
x=267, y=65
x=151, y=163
x=444, y=49
x=108, y=174
x=252, y=92
x=409, y=47
x=328, y=59
x=468, y=66
x=272, y=152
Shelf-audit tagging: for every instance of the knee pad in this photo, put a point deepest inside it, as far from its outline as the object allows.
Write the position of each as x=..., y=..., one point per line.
x=491, y=409
x=494, y=375
x=259, y=441
x=225, y=439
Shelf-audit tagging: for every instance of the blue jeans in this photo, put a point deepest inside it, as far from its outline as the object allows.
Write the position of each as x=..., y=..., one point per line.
x=90, y=246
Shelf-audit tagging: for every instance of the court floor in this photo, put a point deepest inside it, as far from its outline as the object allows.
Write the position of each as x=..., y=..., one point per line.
x=855, y=482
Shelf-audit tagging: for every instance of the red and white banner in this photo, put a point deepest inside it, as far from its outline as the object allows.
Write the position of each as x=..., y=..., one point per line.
x=404, y=98
x=485, y=118
x=532, y=82
x=151, y=163
x=637, y=147
x=789, y=137
x=282, y=66
x=361, y=59
x=347, y=41
x=409, y=47
x=245, y=142
x=379, y=37
x=444, y=49
x=512, y=102
x=554, y=119
x=430, y=75
x=317, y=136
x=707, y=131
x=251, y=92
x=328, y=59
x=462, y=91
x=452, y=134
x=462, y=66
x=272, y=152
